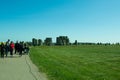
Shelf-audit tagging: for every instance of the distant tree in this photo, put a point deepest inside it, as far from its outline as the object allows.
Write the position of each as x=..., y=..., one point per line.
x=100, y=43
x=117, y=43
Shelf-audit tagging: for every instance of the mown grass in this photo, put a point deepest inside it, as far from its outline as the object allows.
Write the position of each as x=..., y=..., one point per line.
x=78, y=62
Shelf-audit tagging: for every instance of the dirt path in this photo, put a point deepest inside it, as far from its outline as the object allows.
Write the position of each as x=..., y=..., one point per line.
x=19, y=68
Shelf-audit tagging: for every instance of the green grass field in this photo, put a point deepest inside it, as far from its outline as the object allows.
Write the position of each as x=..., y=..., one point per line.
x=78, y=62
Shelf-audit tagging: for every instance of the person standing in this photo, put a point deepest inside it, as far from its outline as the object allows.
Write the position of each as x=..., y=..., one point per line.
x=20, y=48
x=2, y=49
x=16, y=47
x=26, y=48
x=11, y=48
x=7, y=47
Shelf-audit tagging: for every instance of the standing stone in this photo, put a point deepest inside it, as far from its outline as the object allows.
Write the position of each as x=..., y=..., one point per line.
x=62, y=40
x=39, y=42
x=34, y=42
x=76, y=43
x=48, y=41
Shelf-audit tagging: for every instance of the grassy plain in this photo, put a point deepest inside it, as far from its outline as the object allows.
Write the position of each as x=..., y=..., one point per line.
x=85, y=62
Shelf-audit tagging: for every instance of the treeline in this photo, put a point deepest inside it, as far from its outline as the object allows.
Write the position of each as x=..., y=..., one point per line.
x=62, y=41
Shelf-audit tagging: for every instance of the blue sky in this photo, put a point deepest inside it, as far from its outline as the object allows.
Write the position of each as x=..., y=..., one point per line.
x=82, y=20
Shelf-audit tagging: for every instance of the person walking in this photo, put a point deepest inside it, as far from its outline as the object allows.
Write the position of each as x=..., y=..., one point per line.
x=2, y=49
x=11, y=48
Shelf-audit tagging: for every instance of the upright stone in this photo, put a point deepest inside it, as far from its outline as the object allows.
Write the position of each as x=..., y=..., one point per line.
x=48, y=41
x=34, y=42
x=76, y=43
x=39, y=42
x=62, y=40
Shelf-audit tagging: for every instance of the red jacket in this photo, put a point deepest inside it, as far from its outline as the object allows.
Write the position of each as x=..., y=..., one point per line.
x=12, y=45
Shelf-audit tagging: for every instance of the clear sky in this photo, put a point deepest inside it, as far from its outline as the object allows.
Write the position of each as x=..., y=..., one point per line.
x=82, y=20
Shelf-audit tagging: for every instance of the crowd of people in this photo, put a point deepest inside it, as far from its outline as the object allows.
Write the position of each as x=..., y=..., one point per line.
x=13, y=48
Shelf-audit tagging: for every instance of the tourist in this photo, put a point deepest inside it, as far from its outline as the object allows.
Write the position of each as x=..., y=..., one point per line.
x=11, y=48
x=2, y=49
x=20, y=48
x=7, y=47
x=26, y=48
x=16, y=47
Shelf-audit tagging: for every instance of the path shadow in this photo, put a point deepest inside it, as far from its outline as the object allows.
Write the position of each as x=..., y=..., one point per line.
x=14, y=56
